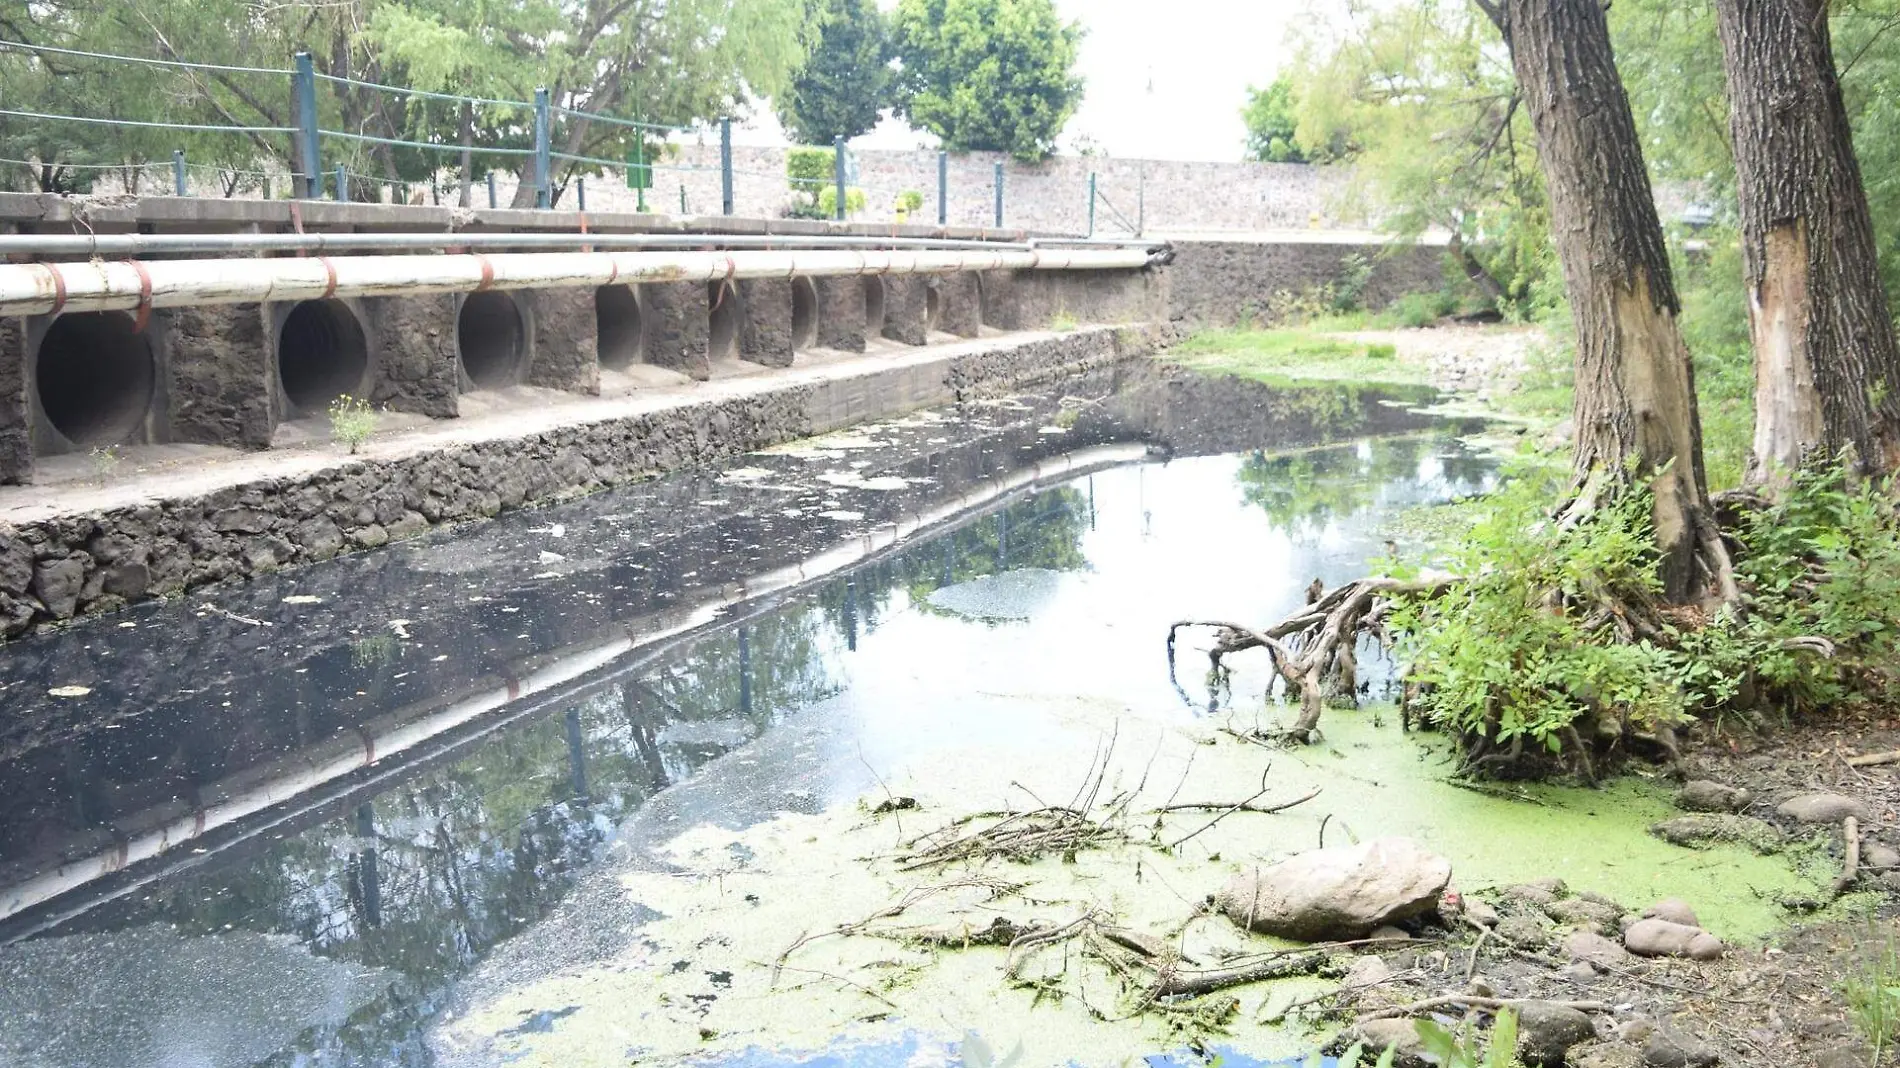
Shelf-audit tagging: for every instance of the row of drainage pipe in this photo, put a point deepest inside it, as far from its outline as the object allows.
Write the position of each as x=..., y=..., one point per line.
x=98, y=383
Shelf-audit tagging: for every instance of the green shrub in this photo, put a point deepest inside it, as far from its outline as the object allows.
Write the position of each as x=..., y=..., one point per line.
x=1349, y=290
x=910, y=200
x=828, y=201
x=352, y=421
x=1380, y=350
x=1415, y=310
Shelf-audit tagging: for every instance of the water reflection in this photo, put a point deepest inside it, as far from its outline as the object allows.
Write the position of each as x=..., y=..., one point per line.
x=409, y=872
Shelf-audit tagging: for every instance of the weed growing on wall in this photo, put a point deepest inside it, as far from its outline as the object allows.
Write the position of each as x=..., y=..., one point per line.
x=105, y=461
x=352, y=421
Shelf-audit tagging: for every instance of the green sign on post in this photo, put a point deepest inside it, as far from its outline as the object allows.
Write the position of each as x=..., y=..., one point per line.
x=639, y=172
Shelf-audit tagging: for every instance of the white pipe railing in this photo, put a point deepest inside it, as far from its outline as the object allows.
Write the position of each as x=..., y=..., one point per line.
x=111, y=285
x=36, y=246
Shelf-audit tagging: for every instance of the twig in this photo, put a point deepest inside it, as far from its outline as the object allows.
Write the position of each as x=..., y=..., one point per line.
x=1192, y=983
x=859, y=987
x=1868, y=760
x=1484, y=933
x=1468, y=1001
x=216, y=611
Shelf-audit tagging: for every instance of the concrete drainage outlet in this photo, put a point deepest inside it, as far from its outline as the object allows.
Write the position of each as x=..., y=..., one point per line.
x=95, y=377
x=489, y=335
x=804, y=314
x=322, y=354
x=873, y=306
x=617, y=324
x=723, y=317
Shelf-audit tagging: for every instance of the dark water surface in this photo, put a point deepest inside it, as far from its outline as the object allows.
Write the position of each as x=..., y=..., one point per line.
x=289, y=816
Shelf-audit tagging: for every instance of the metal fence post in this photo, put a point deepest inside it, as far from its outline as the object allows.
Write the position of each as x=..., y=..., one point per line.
x=682, y=198
x=305, y=80
x=543, y=173
x=943, y=189
x=999, y=194
x=178, y=171
x=342, y=183
x=837, y=168
x=1091, y=203
x=580, y=194
x=492, y=202
x=725, y=166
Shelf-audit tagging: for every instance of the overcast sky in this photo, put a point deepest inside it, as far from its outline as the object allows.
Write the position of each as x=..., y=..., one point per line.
x=1165, y=78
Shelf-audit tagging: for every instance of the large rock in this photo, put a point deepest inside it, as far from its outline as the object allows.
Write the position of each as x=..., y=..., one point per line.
x=1700, y=831
x=1596, y=949
x=1701, y=795
x=1660, y=938
x=57, y=584
x=1339, y=893
x=1546, y=1031
x=1673, y=909
x=1823, y=808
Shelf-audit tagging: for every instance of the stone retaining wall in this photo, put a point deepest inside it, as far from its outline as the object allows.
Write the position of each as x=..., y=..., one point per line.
x=82, y=564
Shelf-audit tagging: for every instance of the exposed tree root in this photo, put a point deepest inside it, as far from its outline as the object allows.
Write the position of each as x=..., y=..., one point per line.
x=1319, y=644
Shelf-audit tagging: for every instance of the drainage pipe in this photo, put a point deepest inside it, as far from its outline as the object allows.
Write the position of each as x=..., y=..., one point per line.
x=171, y=244
x=100, y=285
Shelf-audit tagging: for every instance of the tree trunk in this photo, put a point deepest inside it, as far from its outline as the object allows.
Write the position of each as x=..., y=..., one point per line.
x=1635, y=412
x=1475, y=271
x=468, y=157
x=1827, y=368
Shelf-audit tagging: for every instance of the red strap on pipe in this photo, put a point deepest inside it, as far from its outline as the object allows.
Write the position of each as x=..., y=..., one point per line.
x=59, y=287
x=144, y=314
x=329, y=277
x=488, y=272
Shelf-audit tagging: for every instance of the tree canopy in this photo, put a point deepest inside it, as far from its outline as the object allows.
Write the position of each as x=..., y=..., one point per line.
x=994, y=75
x=847, y=80
x=670, y=62
x=1273, y=123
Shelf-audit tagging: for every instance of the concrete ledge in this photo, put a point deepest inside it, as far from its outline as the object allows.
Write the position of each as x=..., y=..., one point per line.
x=85, y=551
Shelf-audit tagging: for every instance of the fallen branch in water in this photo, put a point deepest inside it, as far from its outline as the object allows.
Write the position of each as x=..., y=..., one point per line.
x=1317, y=643
x=1171, y=983
x=1244, y=806
x=916, y=894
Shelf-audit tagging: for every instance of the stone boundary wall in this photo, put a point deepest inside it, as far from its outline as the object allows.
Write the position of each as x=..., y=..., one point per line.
x=89, y=563
x=1230, y=283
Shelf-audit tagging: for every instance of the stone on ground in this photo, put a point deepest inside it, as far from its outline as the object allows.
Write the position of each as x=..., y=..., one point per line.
x=1702, y=795
x=1546, y=1031
x=1596, y=949
x=1400, y=1036
x=1589, y=915
x=1668, y=1048
x=1823, y=808
x=1704, y=830
x=1660, y=938
x=1343, y=892
x=1673, y=909
x=1879, y=857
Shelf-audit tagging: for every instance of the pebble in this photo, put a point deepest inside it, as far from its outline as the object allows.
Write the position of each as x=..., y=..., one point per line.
x=1368, y=971
x=1823, y=808
x=1480, y=912
x=1660, y=938
x=1702, y=795
x=1530, y=894
x=1877, y=856
x=1390, y=934
x=1673, y=909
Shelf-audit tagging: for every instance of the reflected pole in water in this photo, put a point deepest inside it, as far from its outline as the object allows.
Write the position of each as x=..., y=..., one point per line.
x=1002, y=540
x=1091, y=502
x=745, y=674
x=644, y=740
x=576, y=756
x=851, y=615
x=369, y=882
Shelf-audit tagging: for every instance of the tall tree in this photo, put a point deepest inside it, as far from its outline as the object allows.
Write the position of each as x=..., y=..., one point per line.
x=994, y=75
x=1827, y=367
x=1636, y=418
x=846, y=81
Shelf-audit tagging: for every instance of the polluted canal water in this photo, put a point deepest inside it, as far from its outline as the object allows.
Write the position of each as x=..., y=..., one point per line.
x=652, y=777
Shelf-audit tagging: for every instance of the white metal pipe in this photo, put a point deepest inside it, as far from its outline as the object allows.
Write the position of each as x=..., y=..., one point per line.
x=33, y=245
x=108, y=285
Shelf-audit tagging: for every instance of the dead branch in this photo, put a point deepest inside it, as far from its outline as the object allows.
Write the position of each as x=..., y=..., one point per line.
x=1470, y=1002
x=1868, y=760
x=1178, y=983
x=1316, y=643
x=1245, y=806
x=1850, y=861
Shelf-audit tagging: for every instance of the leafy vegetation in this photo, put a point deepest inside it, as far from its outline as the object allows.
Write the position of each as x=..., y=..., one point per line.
x=352, y=421
x=992, y=75
x=1276, y=356
x=1273, y=124
x=1537, y=648
x=1872, y=994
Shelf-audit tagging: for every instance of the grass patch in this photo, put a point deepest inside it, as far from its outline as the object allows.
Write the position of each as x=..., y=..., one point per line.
x=1282, y=356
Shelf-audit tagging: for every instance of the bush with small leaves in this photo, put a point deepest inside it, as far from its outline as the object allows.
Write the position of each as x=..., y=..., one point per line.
x=352, y=421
